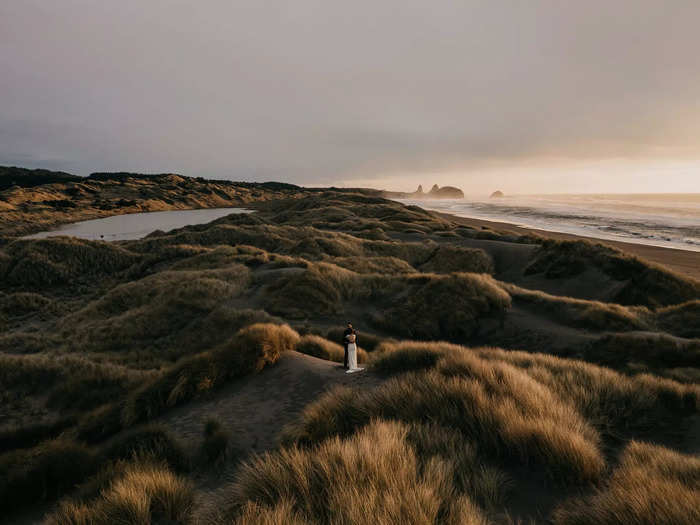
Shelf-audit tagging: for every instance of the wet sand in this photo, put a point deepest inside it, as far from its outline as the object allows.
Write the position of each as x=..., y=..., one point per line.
x=681, y=261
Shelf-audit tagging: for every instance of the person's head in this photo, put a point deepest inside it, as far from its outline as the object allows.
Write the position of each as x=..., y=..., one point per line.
x=349, y=324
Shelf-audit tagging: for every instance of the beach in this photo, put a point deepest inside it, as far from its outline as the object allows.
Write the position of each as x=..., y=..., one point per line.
x=682, y=261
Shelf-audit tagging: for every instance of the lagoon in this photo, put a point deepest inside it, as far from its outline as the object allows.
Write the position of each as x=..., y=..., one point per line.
x=136, y=225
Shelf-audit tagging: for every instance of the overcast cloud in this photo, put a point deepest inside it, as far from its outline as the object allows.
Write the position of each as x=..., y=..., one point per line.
x=322, y=92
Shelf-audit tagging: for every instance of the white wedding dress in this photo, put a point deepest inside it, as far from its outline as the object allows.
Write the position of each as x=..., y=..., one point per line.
x=352, y=359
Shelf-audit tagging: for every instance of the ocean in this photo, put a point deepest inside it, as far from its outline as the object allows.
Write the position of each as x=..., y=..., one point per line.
x=658, y=219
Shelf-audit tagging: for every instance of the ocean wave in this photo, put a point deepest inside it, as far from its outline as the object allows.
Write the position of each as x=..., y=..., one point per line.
x=673, y=225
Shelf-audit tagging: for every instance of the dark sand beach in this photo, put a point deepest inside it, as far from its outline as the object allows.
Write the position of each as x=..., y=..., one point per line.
x=682, y=261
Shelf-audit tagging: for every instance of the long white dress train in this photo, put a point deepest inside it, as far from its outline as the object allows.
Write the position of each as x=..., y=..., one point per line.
x=352, y=359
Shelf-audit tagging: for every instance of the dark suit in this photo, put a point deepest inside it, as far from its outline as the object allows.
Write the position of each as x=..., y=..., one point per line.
x=346, y=333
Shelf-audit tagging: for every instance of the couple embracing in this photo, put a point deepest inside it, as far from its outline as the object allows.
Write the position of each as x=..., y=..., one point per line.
x=350, y=344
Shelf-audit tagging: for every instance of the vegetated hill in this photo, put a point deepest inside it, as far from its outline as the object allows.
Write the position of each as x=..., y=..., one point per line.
x=101, y=341
x=54, y=200
x=26, y=178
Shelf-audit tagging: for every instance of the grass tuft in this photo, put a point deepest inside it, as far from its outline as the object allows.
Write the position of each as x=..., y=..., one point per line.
x=651, y=485
x=247, y=352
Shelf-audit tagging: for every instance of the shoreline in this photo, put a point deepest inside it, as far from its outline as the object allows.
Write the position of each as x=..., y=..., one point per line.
x=686, y=262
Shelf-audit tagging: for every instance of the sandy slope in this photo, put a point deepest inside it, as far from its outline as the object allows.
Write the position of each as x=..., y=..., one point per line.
x=682, y=261
x=255, y=409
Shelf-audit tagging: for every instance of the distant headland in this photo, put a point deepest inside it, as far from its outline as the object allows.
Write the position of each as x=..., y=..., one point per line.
x=436, y=192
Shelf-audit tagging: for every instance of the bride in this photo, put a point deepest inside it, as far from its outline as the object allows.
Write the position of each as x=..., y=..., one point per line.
x=352, y=354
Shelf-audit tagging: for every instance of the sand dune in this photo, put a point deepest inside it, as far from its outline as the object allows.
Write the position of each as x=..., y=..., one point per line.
x=181, y=348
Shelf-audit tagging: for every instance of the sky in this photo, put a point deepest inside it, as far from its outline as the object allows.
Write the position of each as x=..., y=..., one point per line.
x=533, y=96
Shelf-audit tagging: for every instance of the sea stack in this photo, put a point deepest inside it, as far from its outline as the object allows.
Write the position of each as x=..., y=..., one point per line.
x=436, y=192
x=497, y=194
x=446, y=192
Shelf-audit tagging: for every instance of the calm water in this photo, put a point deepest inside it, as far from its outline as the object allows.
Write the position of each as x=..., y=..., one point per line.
x=136, y=225
x=669, y=220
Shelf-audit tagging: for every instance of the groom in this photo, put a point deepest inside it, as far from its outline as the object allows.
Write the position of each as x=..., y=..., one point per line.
x=349, y=330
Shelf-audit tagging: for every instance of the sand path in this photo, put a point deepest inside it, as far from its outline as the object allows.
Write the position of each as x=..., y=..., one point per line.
x=255, y=409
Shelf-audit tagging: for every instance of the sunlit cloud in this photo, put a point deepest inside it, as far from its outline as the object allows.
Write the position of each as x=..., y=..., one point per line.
x=381, y=93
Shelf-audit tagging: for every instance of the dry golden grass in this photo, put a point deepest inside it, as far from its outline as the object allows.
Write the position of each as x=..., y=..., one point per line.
x=248, y=351
x=393, y=357
x=636, y=352
x=150, y=441
x=459, y=425
x=43, y=472
x=646, y=284
x=18, y=342
x=449, y=258
x=616, y=404
x=215, y=446
x=680, y=319
x=144, y=494
x=65, y=382
x=528, y=406
x=24, y=304
x=373, y=477
x=651, y=485
x=161, y=311
x=582, y=313
x=514, y=409
x=254, y=514
x=410, y=305
x=58, y=260
x=537, y=428
x=57, y=466
x=386, y=265
x=325, y=349
x=415, y=307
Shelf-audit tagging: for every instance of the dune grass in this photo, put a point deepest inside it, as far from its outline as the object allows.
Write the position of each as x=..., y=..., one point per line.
x=651, y=485
x=149, y=441
x=43, y=472
x=366, y=478
x=59, y=260
x=538, y=429
x=680, y=319
x=56, y=466
x=410, y=305
x=512, y=410
x=69, y=383
x=26, y=436
x=583, y=313
x=215, y=446
x=449, y=258
x=646, y=284
x=24, y=304
x=386, y=265
x=414, y=307
x=618, y=405
x=615, y=404
x=163, y=311
x=248, y=351
x=155, y=323
x=145, y=493
x=636, y=352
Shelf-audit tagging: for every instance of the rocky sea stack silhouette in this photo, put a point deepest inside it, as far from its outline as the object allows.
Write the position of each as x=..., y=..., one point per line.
x=436, y=192
x=497, y=194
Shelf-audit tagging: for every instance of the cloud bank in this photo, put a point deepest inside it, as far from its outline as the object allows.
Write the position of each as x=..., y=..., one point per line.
x=320, y=92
